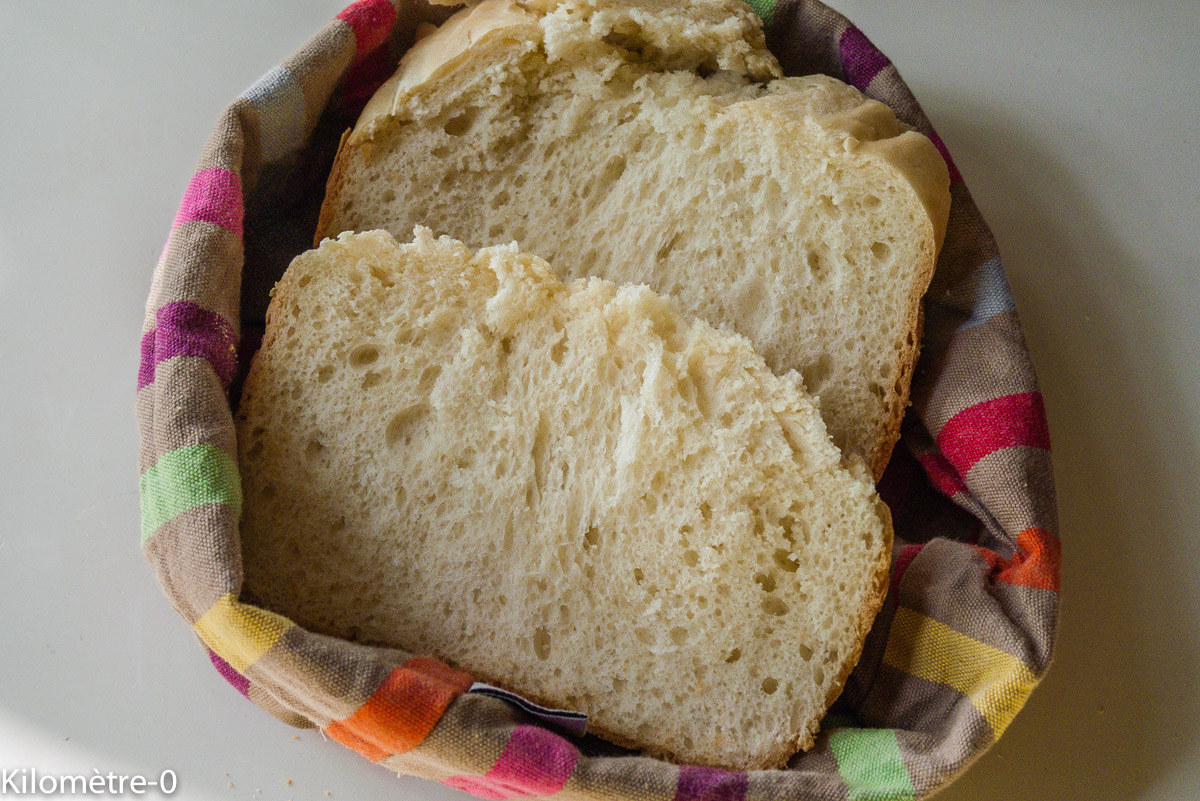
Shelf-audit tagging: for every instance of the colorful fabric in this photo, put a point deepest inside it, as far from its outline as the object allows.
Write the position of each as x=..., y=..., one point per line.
x=968, y=626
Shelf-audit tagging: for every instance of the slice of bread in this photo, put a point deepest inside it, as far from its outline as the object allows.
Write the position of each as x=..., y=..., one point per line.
x=569, y=490
x=653, y=142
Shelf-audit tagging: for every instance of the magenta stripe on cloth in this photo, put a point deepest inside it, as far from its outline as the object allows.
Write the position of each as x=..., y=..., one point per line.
x=907, y=554
x=955, y=175
x=184, y=329
x=215, y=196
x=710, y=784
x=942, y=475
x=861, y=60
x=371, y=21
x=239, y=682
x=986, y=427
x=535, y=762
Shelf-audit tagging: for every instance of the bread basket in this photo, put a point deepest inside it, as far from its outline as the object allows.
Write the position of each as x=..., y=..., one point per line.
x=969, y=623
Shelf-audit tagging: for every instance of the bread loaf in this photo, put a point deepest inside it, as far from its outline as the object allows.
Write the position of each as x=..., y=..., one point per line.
x=570, y=490
x=655, y=142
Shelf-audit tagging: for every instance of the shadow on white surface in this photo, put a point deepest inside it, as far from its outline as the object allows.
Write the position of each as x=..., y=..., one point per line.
x=1116, y=715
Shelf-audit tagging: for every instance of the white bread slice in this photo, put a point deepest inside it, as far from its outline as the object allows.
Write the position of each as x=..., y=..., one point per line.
x=646, y=142
x=569, y=490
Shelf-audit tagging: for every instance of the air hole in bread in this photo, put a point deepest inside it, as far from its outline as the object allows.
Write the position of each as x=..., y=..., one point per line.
x=817, y=263
x=882, y=252
x=538, y=451
x=871, y=202
x=679, y=635
x=461, y=124
x=645, y=636
x=765, y=581
x=774, y=605
x=428, y=378
x=691, y=558
x=734, y=656
x=770, y=685
x=816, y=374
x=784, y=561
x=313, y=449
x=403, y=425
x=558, y=350
x=805, y=652
x=665, y=250
x=541, y=644
x=381, y=276
x=364, y=355
x=371, y=379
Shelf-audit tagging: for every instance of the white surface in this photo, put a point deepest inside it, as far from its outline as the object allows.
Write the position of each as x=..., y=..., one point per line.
x=1076, y=128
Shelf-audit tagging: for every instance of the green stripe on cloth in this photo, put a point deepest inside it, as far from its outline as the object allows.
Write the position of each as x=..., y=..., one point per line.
x=869, y=761
x=765, y=9
x=185, y=478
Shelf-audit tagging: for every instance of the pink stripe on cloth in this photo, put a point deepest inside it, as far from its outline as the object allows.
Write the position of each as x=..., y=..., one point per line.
x=984, y=428
x=861, y=60
x=534, y=762
x=710, y=784
x=942, y=475
x=371, y=21
x=907, y=554
x=184, y=329
x=955, y=175
x=239, y=682
x=213, y=195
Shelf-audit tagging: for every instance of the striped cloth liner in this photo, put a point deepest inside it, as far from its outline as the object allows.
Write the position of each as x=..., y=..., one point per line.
x=968, y=626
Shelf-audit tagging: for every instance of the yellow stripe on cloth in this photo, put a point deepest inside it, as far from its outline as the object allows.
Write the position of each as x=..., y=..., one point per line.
x=239, y=633
x=996, y=683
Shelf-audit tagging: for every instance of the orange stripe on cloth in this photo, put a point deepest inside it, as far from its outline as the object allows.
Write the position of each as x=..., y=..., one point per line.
x=240, y=633
x=403, y=710
x=1037, y=562
x=995, y=682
